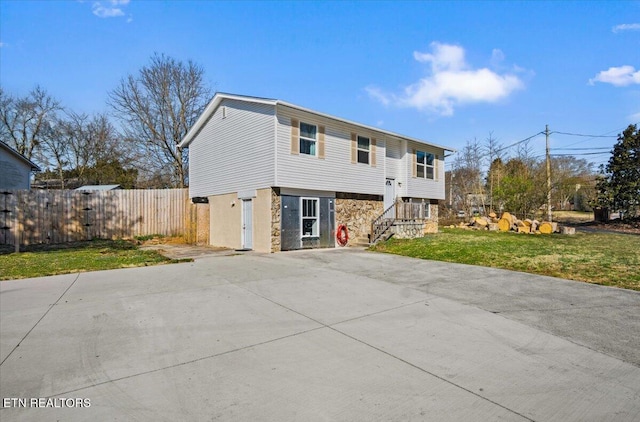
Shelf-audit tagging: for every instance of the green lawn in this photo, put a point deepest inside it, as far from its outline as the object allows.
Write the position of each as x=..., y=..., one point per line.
x=608, y=259
x=43, y=260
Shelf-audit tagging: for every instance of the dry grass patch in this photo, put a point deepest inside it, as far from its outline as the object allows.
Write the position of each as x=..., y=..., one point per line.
x=44, y=260
x=602, y=258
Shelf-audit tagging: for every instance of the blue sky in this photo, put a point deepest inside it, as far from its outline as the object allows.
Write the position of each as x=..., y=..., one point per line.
x=444, y=72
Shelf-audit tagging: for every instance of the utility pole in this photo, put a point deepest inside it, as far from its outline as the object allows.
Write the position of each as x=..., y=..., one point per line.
x=546, y=132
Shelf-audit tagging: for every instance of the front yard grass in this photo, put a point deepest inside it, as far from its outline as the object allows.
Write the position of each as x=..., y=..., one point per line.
x=44, y=260
x=600, y=258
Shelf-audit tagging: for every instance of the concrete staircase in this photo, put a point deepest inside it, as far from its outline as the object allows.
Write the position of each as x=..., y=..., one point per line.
x=360, y=241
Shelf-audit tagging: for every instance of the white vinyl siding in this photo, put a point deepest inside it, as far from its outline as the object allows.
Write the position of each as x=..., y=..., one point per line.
x=336, y=172
x=251, y=148
x=420, y=187
x=15, y=173
x=234, y=150
x=393, y=160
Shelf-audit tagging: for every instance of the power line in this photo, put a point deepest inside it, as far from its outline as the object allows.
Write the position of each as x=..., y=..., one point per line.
x=583, y=135
x=519, y=142
x=584, y=153
x=606, y=133
x=582, y=149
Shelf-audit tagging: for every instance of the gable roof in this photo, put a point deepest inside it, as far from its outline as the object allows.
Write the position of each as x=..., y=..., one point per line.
x=34, y=166
x=219, y=96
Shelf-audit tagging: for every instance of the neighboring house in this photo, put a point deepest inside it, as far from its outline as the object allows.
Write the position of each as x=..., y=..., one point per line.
x=98, y=187
x=15, y=169
x=279, y=177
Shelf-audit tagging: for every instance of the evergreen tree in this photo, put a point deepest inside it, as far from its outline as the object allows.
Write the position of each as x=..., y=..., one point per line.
x=620, y=185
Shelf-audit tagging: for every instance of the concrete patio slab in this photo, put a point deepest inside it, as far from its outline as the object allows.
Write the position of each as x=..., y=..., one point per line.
x=605, y=319
x=23, y=305
x=544, y=377
x=318, y=335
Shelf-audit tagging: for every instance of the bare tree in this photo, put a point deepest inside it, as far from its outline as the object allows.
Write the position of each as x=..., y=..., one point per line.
x=25, y=121
x=54, y=147
x=467, y=177
x=570, y=174
x=90, y=140
x=157, y=107
x=524, y=153
x=495, y=153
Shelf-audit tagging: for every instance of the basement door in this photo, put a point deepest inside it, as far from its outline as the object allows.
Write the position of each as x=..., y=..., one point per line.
x=247, y=224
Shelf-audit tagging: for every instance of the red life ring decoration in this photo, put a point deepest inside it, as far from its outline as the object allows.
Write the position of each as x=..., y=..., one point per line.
x=342, y=235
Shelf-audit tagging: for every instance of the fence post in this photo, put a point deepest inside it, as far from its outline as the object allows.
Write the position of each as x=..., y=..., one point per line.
x=16, y=225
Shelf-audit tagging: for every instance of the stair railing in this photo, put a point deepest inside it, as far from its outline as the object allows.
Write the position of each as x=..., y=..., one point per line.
x=383, y=223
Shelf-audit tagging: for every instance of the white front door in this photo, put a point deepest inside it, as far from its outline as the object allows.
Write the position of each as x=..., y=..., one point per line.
x=247, y=224
x=389, y=193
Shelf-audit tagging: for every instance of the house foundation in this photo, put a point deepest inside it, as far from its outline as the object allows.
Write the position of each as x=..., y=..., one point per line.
x=357, y=211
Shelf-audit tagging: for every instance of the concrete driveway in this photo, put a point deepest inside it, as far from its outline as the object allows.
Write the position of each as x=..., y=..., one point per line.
x=317, y=336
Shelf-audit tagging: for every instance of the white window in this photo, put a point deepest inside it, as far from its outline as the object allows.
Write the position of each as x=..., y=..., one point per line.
x=310, y=217
x=364, y=145
x=425, y=165
x=308, y=137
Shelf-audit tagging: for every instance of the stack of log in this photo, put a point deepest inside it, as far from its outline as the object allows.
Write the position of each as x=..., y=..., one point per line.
x=509, y=222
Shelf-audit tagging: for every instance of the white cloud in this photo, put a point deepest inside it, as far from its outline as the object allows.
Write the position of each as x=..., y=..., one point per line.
x=618, y=76
x=635, y=117
x=497, y=57
x=450, y=82
x=110, y=10
x=444, y=57
x=626, y=27
x=377, y=94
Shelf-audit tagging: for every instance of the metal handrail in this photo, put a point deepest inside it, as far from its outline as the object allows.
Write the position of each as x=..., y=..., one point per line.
x=381, y=224
x=403, y=211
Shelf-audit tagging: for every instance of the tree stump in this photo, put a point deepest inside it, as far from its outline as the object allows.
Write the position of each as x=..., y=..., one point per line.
x=545, y=227
x=534, y=225
x=504, y=225
x=510, y=218
x=480, y=222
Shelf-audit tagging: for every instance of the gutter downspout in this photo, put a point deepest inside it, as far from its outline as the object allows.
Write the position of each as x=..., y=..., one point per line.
x=275, y=145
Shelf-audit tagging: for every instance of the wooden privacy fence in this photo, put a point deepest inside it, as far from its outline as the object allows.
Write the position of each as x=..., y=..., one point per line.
x=53, y=216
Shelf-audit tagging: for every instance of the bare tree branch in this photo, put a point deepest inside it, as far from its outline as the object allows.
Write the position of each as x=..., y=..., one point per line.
x=157, y=108
x=24, y=121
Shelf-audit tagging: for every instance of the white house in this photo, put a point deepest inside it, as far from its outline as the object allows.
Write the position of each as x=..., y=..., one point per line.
x=279, y=176
x=15, y=169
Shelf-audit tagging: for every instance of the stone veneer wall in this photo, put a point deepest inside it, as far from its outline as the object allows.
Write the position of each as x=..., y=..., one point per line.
x=407, y=230
x=431, y=225
x=357, y=212
x=275, y=220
